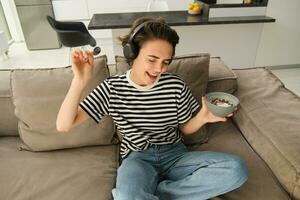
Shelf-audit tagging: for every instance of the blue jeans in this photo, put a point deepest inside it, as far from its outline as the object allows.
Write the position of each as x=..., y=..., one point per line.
x=171, y=172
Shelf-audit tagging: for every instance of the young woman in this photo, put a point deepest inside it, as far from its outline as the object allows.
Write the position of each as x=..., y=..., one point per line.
x=152, y=109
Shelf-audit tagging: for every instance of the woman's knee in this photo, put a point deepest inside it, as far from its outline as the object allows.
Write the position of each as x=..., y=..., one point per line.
x=136, y=179
x=130, y=168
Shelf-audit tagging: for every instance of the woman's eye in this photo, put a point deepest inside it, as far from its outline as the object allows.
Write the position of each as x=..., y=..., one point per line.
x=151, y=60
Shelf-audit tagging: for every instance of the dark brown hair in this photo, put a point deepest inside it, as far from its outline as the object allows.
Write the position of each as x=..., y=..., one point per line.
x=155, y=28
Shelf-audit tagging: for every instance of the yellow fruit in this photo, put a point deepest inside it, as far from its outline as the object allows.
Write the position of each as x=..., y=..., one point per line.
x=196, y=9
x=194, y=6
x=190, y=6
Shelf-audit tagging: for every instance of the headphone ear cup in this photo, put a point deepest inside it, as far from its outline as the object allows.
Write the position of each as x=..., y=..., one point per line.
x=129, y=51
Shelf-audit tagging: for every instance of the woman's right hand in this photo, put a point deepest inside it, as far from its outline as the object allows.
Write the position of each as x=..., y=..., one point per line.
x=82, y=65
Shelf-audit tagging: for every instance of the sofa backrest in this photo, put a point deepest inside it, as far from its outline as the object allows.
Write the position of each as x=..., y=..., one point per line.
x=221, y=78
x=8, y=120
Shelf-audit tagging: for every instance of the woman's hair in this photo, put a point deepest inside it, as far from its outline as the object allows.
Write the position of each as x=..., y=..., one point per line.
x=154, y=28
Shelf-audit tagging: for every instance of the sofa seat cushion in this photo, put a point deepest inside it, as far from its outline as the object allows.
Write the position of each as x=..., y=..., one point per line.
x=81, y=173
x=269, y=117
x=8, y=120
x=193, y=69
x=38, y=95
x=221, y=77
x=261, y=184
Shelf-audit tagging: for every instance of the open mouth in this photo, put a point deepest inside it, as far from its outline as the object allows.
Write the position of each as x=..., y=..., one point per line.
x=152, y=77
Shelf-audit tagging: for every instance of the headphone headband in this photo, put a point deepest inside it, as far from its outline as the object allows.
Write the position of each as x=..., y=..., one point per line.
x=130, y=49
x=135, y=31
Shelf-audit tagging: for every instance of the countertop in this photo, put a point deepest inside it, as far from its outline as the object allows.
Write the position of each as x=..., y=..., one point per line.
x=173, y=18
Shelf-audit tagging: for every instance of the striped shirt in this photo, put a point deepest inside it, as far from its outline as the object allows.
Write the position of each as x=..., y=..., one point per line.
x=143, y=115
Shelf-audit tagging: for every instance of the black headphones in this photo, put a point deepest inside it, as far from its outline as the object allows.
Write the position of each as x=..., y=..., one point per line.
x=130, y=49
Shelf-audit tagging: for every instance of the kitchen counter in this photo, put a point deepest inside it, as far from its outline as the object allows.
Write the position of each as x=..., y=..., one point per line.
x=234, y=39
x=173, y=18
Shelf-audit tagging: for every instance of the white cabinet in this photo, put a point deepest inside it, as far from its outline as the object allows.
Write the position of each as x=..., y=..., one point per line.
x=237, y=12
x=178, y=5
x=83, y=10
x=122, y=6
x=116, y=6
x=229, y=1
x=70, y=10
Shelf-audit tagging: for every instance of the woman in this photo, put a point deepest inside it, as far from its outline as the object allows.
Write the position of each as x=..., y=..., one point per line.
x=152, y=109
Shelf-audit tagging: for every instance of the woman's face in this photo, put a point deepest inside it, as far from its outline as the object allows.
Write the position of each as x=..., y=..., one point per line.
x=153, y=59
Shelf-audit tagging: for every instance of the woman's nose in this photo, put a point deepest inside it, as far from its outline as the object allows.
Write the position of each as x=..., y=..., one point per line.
x=159, y=68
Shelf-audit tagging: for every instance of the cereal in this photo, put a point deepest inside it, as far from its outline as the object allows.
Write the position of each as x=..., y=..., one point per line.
x=221, y=102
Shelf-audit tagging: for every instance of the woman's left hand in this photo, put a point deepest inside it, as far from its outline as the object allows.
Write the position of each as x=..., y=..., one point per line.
x=208, y=117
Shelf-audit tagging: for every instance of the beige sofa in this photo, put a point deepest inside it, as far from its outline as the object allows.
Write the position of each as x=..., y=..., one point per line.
x=38, y=163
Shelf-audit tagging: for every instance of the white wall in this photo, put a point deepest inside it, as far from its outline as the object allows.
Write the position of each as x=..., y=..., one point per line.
x=280, y=41
x=83, y=10
x=236, y=44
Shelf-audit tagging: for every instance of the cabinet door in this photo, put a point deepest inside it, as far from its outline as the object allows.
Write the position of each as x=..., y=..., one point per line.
x=70, y=9
x=116, y=6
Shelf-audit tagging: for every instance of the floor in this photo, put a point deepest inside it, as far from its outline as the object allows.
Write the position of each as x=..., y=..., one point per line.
x=20, y=57
x=290, y=77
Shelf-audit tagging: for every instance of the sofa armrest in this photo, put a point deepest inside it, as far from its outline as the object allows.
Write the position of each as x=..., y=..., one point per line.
x=269, y=118
x=8, y=120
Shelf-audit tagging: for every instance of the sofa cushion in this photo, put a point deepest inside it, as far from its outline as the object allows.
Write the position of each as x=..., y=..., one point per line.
x=261, y=184
x=8, y=120
x=269, y=117
x=81, y=173
x=38, y=95
x=193, y=69
x=221, y=77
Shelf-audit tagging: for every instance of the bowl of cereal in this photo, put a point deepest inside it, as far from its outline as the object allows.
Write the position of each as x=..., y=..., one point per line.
x=221, y=104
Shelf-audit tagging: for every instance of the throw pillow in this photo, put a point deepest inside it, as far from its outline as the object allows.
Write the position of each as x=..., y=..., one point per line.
x=38, y=95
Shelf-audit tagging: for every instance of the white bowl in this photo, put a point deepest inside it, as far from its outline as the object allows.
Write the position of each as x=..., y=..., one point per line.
x=192, y=12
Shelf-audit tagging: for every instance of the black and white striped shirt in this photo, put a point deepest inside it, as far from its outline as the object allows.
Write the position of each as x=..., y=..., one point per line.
x=143, y=115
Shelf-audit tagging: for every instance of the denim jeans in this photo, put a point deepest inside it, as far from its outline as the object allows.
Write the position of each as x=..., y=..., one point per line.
x=171, y=172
